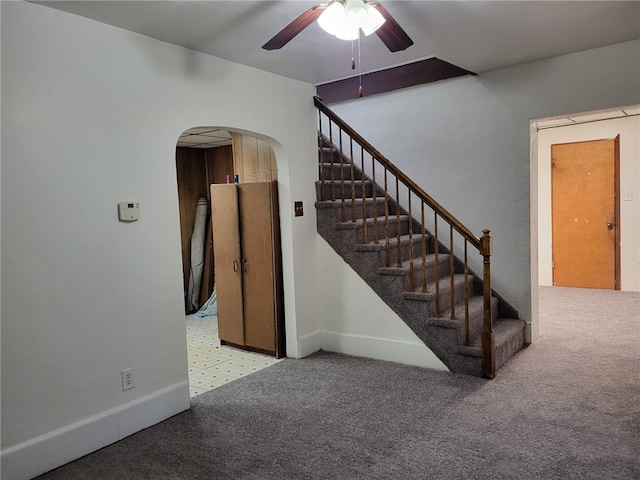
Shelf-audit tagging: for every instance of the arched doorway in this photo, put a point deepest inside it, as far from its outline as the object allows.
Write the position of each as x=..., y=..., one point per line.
x=205, y=156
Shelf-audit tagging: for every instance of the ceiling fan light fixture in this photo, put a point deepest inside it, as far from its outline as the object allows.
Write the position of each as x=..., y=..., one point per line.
x=332, y=18
x=344, y=21
x=373, y=21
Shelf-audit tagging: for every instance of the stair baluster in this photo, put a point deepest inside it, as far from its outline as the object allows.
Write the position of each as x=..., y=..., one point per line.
x=321, y=153
x=467, y=333
x=423, y=234
x=451, y=277
x=342, y=207
x=411, y=286
x=437, y=263
x=387, y=259
x=353, y=183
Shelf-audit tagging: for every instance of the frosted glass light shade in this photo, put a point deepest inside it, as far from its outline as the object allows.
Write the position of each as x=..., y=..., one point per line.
x=345, y=21
x=373, y=20
x=331, y=19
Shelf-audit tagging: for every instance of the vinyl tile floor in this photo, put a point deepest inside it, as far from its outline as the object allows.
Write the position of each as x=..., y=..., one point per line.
x=211, y=364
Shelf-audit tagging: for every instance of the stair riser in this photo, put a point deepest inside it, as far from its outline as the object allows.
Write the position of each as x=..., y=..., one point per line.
x=334, y=156
x=372, y=210
x=324, y=191
x=508, y=349
x=325, y=170
x=406, y=252
x=443, y=273
x=444, y=294
x=393, y=229
x=476, y=317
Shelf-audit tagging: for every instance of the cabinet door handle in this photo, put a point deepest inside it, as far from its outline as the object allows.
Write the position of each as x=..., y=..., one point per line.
x=235, y=265
x=244, y=264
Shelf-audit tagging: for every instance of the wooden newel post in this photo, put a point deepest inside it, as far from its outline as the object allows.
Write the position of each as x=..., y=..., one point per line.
x=488, y=338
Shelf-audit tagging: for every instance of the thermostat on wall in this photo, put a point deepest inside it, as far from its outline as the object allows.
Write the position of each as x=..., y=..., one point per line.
x=128, y=211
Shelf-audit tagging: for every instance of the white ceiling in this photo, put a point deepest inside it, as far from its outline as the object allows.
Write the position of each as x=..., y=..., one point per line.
x=204, y=137
x=475, y=35
x=607, y=114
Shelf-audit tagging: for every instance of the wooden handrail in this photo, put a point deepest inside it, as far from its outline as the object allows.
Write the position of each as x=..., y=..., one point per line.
x=371, y=150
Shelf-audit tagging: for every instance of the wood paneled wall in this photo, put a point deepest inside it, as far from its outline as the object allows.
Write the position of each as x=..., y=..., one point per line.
x=254, y=160
x=197, y=168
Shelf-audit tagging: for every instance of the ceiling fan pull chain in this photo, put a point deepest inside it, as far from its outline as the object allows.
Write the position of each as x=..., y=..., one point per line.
x=359, y=67
x=353, y=58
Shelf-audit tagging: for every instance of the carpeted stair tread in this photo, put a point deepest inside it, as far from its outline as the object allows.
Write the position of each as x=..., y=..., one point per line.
x=347, y=201
x=444, y=322
x=444, y=287
x=370, y=222
x=340, y=171
x=327, y=148
x=349, y=209
x=476, y=308
x=509, y=339
x=430, y=260
x=503, y=330
x=404, y=241
x=326, y=191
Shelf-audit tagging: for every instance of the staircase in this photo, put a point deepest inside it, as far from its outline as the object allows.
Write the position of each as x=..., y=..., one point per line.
x=412, y=252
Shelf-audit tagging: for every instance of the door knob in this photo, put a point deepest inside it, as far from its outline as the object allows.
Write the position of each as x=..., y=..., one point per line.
x=610, y=225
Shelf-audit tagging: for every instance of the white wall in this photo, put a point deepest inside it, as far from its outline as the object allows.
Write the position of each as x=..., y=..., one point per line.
x=90, y=117
x=356, y=322
x=466, y=141
x=629, y=130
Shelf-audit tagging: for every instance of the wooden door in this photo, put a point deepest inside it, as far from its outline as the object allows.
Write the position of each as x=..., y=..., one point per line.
x=228, y=274
x=256, y=224
x=585, y=224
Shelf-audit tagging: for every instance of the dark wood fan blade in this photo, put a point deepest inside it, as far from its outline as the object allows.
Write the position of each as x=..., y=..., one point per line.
x=285, y=35
x=391, y=33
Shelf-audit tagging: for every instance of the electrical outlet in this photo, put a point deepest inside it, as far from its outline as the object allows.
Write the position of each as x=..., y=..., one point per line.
x=128, y=380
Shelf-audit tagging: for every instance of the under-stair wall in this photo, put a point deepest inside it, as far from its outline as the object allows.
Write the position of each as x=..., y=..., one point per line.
x=356, y=321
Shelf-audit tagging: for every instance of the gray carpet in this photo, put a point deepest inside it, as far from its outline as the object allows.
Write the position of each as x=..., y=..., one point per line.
x=567, y=407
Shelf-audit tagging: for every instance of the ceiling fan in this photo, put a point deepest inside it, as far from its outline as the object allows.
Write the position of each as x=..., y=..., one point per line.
x=386, y=28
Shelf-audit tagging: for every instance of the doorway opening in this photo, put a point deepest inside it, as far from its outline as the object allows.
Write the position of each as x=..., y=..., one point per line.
x=622, y=122
x=208, y=156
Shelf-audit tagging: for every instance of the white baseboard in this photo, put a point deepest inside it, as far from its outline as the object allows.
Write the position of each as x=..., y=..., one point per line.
x=54, y=449
x=309, y=344
x=409, y=353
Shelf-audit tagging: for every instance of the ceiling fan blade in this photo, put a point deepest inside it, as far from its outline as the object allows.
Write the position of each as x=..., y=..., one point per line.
x=391, y=33
x=285, y=35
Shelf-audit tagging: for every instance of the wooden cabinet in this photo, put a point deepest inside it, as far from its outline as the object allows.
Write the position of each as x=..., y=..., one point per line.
x=248, y=271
